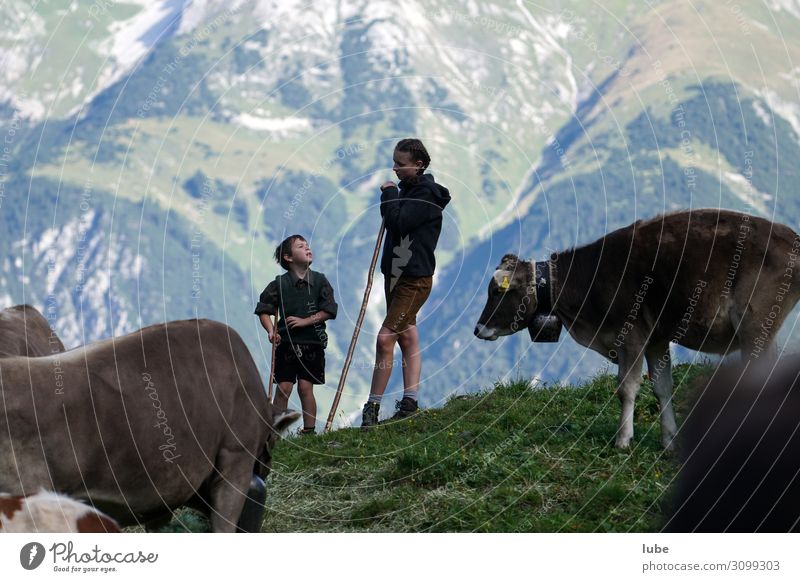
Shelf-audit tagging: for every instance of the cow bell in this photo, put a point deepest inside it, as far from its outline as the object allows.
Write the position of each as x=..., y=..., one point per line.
x=544, y=327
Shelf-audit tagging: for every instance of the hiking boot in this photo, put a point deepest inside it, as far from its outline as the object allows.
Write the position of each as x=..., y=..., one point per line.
x=307, y=431
x=406, y=408
x=369, y=416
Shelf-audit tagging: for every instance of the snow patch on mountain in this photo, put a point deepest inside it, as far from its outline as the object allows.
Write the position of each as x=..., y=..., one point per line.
x=279, y=125
x=133, y=38
x=19, y=24
x=789, y=110
x=790, y=6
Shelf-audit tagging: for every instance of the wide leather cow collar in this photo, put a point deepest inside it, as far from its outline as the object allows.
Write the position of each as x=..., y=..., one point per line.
x=544, y=326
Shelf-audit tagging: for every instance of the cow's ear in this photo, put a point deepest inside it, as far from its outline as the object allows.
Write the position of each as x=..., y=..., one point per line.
x=508, y=260
x=282, y=420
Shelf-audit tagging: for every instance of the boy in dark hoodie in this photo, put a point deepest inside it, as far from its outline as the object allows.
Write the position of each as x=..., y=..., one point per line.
x=413, y=217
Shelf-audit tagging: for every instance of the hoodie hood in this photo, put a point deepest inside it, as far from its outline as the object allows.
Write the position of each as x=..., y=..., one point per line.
x=440, y=194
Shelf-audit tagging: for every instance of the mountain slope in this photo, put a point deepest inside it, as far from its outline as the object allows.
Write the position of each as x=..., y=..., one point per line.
x=191, y=137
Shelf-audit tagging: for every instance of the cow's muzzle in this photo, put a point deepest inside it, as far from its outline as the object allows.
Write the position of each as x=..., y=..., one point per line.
x=485, y=333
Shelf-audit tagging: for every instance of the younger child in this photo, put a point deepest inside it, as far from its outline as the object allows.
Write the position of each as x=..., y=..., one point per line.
x=304, y=299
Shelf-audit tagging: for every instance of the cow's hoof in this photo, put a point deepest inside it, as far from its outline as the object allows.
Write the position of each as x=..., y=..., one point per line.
x=623, y=443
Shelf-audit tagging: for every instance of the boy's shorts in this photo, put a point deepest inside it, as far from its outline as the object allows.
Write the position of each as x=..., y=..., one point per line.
x=404, y=301
x=299, y=362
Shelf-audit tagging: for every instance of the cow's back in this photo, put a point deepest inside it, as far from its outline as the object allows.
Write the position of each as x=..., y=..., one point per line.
x=686, y=276
x=717, y=276
x=24, y=331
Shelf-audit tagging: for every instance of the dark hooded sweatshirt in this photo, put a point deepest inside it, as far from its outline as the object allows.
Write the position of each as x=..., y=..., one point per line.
x=413, y=218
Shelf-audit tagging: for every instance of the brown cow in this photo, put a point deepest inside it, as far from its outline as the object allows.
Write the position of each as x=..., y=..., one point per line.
x=710, y=280
x=25, y=332
x=173, y=414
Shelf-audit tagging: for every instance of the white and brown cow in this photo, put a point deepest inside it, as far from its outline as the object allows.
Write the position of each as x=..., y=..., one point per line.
x=47, y=512
x=710, y=280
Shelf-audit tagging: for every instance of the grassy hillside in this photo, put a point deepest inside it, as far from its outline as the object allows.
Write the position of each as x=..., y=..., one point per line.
x=513, y=459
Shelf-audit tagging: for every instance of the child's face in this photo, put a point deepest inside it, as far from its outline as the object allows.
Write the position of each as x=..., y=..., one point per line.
x=405, y=168
x=301, y=253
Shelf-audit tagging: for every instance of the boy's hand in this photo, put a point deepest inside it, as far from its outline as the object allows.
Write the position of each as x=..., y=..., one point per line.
x=293, y=321
x=274, y=337
x=388, y=185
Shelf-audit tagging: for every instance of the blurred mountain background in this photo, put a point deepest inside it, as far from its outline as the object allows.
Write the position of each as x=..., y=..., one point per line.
x=155, y=153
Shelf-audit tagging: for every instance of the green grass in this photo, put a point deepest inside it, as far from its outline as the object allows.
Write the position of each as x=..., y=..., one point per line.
x=513, y=459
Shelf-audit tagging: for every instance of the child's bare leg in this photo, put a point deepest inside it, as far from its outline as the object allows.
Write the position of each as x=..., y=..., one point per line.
x=309, y=405
x=384, y=352
x=412, y=359
x=281, y=400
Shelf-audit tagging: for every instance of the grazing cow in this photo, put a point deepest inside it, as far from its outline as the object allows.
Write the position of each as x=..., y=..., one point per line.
x=25, y=332
x=173, y=414
x=47, y=512
x=740, y=449
x=709, y=280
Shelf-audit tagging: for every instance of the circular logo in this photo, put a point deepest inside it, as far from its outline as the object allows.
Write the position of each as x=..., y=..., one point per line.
x=31, y=555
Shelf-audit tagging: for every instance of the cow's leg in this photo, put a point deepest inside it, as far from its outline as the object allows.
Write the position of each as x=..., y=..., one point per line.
x=754, y=344
x=629, y=378
x=228, y=489
x=756, y=340
x=659, y=364
x=253, y=510
x=769, y=352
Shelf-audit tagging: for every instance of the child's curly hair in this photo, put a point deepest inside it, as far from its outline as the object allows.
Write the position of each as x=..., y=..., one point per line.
x=417, y=150
x=285, y=248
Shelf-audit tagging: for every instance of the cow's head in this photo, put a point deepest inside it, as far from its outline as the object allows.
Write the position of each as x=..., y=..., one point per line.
x=281, y=420
x=512, y=299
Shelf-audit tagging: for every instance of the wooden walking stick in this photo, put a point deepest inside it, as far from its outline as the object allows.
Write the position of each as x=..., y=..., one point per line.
x=352, y=347
x=272, y=362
